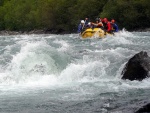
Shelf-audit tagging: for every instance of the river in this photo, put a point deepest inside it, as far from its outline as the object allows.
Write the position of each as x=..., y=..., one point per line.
x=50, y=73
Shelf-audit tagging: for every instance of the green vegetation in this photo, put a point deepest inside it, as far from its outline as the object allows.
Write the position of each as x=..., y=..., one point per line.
x=65, y=15
x=131, y=14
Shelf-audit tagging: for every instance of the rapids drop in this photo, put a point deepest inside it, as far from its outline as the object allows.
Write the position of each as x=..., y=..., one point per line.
x=64, y=73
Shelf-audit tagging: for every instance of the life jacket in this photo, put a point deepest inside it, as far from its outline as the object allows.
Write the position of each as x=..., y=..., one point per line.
x=114, y=27
x=80, y=27
x=107, y=26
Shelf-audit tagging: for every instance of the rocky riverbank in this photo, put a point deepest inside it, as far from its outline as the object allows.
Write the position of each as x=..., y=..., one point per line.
x=60, y=31
x=53, y=31
x=142, y=30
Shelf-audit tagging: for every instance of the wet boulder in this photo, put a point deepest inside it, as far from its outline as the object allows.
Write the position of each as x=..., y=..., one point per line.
x=144, y=109
x=138, y=67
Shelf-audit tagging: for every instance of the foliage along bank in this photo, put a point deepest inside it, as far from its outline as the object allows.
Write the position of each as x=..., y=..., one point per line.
x=65, y=15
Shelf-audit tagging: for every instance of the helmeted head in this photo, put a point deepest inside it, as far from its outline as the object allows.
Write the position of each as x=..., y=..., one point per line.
x=100, y=19
x=89, y=23
x=105, y=20
x=86, y=18
x=97, y=20
x=82, y=22
x=113, y=21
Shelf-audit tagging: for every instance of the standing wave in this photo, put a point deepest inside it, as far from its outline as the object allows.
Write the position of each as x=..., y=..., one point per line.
x=35, y=59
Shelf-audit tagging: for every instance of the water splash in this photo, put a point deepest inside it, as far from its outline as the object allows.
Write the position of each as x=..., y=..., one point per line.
x=45, y=60
x=35, y=59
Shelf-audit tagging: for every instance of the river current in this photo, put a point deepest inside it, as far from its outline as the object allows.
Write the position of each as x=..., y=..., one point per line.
x=50, y=73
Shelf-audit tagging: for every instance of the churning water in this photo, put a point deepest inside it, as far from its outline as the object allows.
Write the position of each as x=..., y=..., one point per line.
x=67, y=74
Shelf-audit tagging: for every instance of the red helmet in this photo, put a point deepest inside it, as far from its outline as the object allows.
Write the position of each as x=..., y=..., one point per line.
x=105, y=20
x=113, y=21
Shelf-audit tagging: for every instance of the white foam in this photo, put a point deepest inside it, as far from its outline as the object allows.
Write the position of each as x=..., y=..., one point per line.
x=36, y=65
x=64, y=45
x=114, y=40
x=34, y=59
x=124, y=33
x=86, y=71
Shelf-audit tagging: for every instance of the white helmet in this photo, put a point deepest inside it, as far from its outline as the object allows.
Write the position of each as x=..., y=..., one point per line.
x=89, y=23
x=82, y=21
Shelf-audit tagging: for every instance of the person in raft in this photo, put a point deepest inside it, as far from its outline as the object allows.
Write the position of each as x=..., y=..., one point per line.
x=114, y=26
x=86, y=22
x=81, y=26
x=98, y=23
x=107, y=25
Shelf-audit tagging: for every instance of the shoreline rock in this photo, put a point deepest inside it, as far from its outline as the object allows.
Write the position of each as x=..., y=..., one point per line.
x=142, y=30
x=53, y=31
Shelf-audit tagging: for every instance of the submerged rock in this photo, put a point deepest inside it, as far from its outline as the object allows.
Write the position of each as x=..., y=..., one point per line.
x=138, y=67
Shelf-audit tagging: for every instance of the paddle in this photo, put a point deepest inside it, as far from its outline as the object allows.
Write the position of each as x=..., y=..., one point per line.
x=84, y=23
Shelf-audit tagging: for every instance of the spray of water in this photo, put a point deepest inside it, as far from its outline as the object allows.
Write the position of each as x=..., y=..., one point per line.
x=48, y=64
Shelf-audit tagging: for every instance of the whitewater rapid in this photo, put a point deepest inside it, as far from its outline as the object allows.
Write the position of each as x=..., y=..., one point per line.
x=36, y=70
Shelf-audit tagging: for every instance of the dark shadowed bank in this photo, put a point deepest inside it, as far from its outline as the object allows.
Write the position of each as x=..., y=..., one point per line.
x=61, y=32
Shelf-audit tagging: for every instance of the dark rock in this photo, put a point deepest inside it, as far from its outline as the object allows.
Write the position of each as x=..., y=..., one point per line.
x=5, y=32
x=56, y=31
x=144, y=109
x=138, y=67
